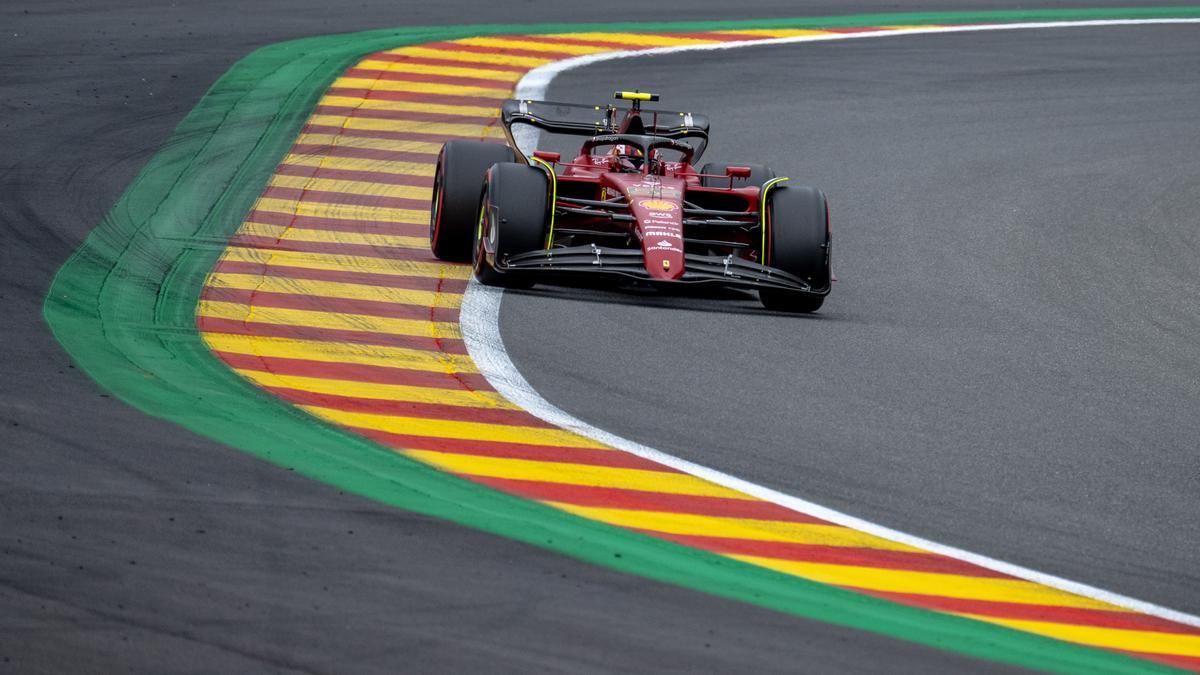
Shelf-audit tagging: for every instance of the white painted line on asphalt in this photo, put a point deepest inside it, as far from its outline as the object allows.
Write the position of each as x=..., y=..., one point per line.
x=480, y=319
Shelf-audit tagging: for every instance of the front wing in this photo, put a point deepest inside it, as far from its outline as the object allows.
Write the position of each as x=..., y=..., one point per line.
x=623, y=262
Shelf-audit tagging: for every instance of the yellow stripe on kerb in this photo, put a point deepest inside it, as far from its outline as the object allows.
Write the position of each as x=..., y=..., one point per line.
x=282, y=233
x=471, y=431
x=633, y=40
x=735, y=528
x=560, y=47
x=348, y=263
x=451, y=55
x=928, y=583
x=383, y=392
x=393, y=145
x=500, y=93
x=327, y=320
x=335, y=291
x=343, y=211
x=341, y=352
x=356, y=164
x=408, y=106
x=475, y=71
x=410, y=126
x=573, y=474
x=353, y=187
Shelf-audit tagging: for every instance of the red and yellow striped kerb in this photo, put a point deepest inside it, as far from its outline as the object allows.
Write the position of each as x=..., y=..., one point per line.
x=328, y=297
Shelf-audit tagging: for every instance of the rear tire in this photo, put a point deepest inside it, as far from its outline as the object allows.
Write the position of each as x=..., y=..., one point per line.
x=456, y=184
x=512, y=218
x=759, y=174
x=800, y=245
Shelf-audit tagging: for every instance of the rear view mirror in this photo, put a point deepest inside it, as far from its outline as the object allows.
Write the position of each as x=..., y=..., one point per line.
x=553, y=157
x=737, y=171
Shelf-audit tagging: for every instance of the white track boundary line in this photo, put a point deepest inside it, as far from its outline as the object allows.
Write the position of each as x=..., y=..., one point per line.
x=480, y=318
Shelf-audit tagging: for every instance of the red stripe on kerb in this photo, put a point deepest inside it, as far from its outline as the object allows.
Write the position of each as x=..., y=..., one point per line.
x=385, y=135
x=639, y=500
x=319, y=303
x=426, y=61
x=354, y=372
x=361, y=176
x=421, y=97
x=208, y=324
x=507, y=51
x=419, y=78
x=361, y=278
x=1050, y=613
x=404, y=115
x=361, y=250
x=337, y=224
x=541, y=453
x=326, y=150
x=833, y=555
x=348, y=198
x=394, y=408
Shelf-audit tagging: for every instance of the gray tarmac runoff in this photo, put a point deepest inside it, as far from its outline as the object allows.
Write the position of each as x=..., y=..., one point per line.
x=1008, y=363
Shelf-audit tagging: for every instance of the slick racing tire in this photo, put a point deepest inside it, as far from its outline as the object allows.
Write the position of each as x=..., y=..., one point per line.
x=799, y=244
x=512, y=218
x=456, y=184
x=759, y=174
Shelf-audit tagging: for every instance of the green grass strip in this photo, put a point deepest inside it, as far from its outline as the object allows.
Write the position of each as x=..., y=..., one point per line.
x=123, y=307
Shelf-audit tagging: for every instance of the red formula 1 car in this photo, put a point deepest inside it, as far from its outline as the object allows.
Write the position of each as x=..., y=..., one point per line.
x=631, y=204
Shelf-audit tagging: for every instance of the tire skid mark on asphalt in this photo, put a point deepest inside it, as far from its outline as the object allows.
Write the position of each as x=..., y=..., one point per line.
x=329, y=298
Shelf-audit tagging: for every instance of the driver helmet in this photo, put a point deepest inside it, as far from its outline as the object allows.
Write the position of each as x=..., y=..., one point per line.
x=628, y=157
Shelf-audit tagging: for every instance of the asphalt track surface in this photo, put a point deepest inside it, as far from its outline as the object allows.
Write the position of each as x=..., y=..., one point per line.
x=1009, y=362
x=129, y=544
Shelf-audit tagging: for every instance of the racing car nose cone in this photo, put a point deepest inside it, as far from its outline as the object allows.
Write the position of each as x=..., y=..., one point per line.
x=660, y=222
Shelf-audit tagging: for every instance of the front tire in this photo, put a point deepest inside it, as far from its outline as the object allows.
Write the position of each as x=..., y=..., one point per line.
x=512, y=219
x=799, y=243
x=456, y=183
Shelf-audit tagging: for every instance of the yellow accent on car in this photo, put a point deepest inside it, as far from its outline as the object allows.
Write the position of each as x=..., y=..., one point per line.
x=553, y=197
x=635, y=96
x=762, y=215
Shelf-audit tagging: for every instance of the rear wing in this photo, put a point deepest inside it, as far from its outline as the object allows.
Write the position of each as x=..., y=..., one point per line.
x=594, y=120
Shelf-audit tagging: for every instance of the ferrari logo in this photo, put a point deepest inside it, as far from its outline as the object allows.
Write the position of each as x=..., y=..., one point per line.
x=658, y=205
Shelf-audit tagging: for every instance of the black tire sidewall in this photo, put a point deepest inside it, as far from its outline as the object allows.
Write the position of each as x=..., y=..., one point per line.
x=799, y=244
x=799, y=234
x=455, y=201
x=517, y=197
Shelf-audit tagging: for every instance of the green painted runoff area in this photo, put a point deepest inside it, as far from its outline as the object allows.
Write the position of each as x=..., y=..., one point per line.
x=123, y=306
